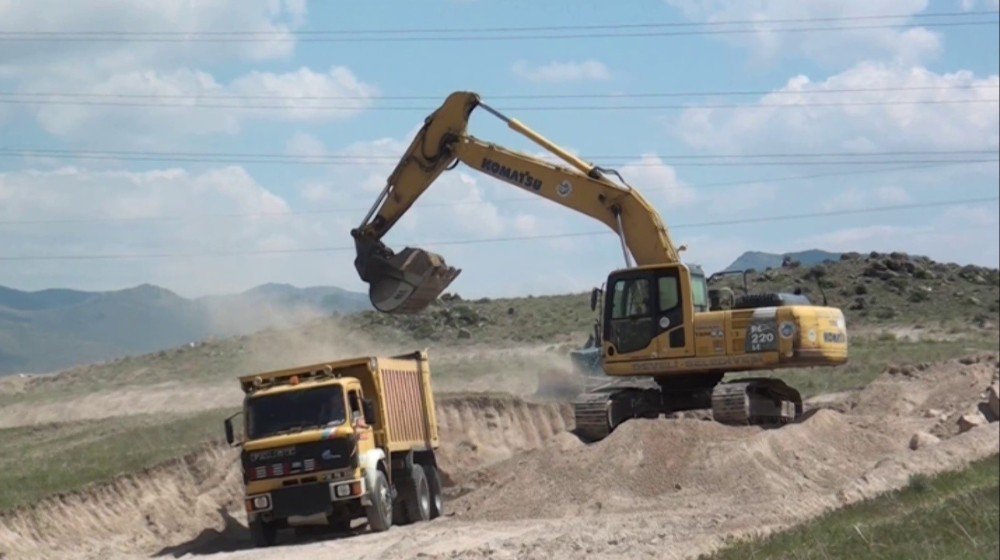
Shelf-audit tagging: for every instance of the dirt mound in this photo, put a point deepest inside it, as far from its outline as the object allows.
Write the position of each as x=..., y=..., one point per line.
x=478, y=430
x=647, y=463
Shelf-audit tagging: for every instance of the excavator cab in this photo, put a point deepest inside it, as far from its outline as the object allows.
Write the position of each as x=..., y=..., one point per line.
x=650, y=309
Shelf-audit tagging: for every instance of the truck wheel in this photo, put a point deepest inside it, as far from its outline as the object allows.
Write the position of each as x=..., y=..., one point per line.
x=415, y=494
x=263, y=533
x=380, y=512
x=437, y=497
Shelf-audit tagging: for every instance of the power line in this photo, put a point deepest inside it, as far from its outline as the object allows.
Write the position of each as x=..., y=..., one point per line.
x=625, y=163
x=427, y=109
x=718, y=223
x=417, y=35
x=520, y=28
x=348, y=159
x=747, y=92
x=502, y=201
x=324, y=158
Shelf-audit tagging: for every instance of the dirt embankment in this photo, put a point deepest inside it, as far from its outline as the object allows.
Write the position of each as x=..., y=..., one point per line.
x=654, y=488
x=196, y=500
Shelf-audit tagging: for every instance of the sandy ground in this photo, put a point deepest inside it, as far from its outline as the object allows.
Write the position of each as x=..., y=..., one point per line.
x=523, y=487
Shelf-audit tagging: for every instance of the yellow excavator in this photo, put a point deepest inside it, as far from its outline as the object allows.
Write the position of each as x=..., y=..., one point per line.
x=662, y=342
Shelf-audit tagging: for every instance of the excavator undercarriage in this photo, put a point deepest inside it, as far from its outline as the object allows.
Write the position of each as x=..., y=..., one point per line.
x=757, y=401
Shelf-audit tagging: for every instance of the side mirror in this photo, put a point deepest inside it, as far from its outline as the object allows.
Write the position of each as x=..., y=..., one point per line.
x=229, y=430
x=368, y=407
x=595, y=296
x=228, y=424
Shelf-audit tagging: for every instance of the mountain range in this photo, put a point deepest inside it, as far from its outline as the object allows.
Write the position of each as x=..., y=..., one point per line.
x=48, y=330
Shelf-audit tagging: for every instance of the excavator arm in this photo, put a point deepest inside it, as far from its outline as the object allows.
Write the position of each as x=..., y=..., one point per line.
x=408, y=281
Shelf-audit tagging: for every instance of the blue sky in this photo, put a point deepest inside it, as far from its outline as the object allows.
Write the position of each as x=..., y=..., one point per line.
x=106, y=146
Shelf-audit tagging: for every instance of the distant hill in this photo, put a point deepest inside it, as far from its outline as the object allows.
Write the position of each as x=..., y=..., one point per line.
x=52, y=329
x=760, y=261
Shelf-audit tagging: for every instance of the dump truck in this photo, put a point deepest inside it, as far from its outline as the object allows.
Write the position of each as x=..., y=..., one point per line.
x=337, y=441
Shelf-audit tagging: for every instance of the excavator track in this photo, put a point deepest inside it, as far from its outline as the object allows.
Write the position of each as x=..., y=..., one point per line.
x=755, y=401
x=591, y=412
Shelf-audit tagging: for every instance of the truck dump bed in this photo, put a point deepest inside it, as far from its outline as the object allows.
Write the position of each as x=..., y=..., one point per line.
x=400, y=388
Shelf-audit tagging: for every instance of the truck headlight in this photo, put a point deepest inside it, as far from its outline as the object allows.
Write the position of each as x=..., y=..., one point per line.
x=258, y=503
x=343, y=490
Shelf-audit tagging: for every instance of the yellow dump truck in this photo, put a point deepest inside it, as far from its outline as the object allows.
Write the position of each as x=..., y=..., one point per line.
x=339, y=440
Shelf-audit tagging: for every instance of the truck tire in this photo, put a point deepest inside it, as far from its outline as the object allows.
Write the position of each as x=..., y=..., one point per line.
x=437, y=496
x=263, y=533
x=379, y=513
x=415, y=496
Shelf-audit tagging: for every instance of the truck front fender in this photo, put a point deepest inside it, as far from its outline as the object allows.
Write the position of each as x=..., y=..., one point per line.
x=369, y=461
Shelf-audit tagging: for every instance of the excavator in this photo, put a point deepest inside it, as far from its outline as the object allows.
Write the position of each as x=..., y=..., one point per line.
x=665, y=348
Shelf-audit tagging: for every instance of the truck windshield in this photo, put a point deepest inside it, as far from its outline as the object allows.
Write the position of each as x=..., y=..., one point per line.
x=290, y=411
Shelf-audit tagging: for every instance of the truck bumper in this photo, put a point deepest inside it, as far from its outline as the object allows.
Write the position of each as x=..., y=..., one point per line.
x=306, y=499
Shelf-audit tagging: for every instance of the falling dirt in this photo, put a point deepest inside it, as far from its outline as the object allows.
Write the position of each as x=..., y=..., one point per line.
x=524, y=487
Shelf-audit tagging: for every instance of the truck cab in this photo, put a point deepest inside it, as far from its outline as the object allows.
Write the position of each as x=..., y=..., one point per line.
x=338, y=441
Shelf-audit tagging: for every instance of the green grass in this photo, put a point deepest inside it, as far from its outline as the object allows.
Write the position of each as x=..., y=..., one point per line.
x=46, y=459
x=951, y=516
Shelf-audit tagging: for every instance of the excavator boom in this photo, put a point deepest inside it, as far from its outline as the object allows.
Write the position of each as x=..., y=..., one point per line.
x=408, y=281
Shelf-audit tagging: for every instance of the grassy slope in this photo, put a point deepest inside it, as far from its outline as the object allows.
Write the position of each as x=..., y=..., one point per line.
x=952, y=516
x=53, y=458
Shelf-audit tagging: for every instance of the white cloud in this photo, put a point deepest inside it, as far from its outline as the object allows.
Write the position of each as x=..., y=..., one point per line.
x=181, y=91
x=271, y=20
x=658, y=181
x=964, y=234
x=165, y=211
x=162, y=83
x=969, y=5
x=905, y=45
x=855, y=198
x=561, y=72
x=935, y=123
x=307, y=145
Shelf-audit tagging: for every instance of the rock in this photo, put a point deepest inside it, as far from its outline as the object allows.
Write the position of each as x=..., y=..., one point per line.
x=993, y=399
x=968, y=421
x=932, y=413
x=920, y=440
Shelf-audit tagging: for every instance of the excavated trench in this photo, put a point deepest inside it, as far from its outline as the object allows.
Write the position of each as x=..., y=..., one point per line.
x=522, y=486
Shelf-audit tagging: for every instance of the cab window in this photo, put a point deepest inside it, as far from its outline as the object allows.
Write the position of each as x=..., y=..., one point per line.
x=354, y=402
x=631, y=298
x=669, y=292
x=630, y=323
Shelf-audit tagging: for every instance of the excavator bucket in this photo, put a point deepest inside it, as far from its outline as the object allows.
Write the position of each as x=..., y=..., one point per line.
x=404, y=282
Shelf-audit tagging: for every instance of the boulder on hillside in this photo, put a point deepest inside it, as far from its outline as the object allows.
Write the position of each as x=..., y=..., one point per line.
x=993, y=401
x=968, y=421
x=920, y=440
